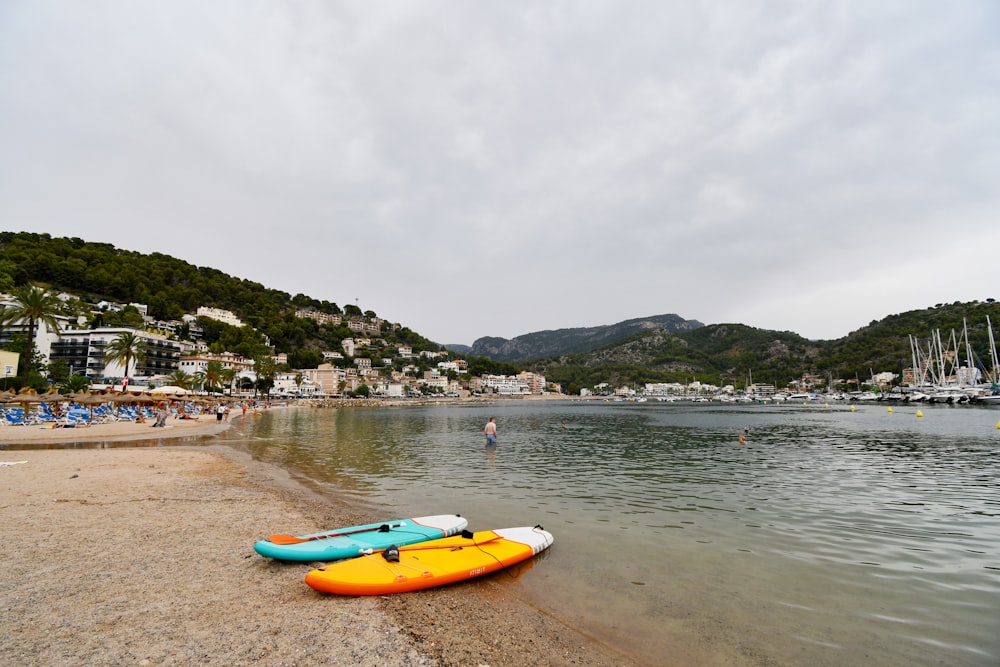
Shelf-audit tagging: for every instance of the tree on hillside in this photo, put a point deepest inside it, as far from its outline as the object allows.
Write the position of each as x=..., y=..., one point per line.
x=9, y=273
x=124, y=349
x=129, y=316
x=35, y=306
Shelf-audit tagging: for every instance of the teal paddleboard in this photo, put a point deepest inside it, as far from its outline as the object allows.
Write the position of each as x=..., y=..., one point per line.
x=351, y=541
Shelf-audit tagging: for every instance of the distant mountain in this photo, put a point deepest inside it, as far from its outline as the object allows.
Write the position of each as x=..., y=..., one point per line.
x=729, y=353
x=543, y=344
x=458, y=348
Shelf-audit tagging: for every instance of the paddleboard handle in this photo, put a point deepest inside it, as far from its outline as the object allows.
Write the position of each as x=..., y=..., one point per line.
x=391, y=553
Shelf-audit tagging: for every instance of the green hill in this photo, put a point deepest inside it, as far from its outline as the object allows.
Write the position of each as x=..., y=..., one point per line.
x=171, y=287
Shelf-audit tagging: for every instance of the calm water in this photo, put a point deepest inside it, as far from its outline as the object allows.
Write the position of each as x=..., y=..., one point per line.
x=834, y=537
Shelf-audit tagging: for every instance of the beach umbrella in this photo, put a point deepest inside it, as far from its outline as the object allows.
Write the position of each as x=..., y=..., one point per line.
x=132, y=397
x=89, y=399
x=7, y=395
x=27, y=397
x=145, y=398
x=169, y=390
x=52, y=395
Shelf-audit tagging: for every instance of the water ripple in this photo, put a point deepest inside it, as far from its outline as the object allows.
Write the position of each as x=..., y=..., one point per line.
x=876, y=534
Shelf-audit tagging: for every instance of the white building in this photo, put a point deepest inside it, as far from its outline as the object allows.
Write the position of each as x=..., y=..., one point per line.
x=219, y=314
x=285, y=385
x=506, y=385
x=199, y=363
x=83, y=352
x=664, y=389
x=390, y=389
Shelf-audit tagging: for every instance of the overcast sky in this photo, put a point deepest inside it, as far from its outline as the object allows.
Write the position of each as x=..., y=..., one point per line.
x=475, y=168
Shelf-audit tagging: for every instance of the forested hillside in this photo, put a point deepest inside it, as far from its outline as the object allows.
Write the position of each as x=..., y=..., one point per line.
x=171, y=287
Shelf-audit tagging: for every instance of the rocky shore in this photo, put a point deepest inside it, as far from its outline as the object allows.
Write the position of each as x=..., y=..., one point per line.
x=123, y=555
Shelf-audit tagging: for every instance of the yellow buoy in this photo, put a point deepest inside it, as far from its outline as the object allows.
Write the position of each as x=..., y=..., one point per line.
x=826, y=405
x=919, y=413
x=890, y=409
x=852, y=408
x=998, y=424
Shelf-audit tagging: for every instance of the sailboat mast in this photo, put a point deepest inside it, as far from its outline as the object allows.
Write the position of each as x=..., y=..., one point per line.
x=917, y=380
x=971, y=379
x=993, y=352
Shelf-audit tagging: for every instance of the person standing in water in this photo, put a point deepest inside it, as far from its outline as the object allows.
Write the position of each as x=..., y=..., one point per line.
x=491, y=432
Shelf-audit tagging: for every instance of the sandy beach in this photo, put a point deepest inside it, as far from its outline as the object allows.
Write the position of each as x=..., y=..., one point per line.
x=123, y=555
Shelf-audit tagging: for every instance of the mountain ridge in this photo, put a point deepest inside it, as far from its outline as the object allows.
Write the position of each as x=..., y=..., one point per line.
x=558, y=342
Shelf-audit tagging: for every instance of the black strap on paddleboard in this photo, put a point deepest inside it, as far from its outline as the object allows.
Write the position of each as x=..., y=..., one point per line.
x=384, y=528
x=468, y=534
x=391, y=553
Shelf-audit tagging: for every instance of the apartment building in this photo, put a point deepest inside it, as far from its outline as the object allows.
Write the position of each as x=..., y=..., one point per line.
x=83, y=352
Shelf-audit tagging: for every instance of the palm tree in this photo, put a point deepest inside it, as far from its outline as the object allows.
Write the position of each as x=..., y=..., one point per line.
x=228, y=376
x=265, y=370
x=76, y=383
x=33, y=305
x=212, y=375
x=180, y=379
x=125, y=349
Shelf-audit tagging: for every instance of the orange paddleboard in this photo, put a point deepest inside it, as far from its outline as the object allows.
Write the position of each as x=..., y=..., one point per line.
x=429, y=564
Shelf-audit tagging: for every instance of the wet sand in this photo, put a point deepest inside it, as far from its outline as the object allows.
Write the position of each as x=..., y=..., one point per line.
x=144, y=555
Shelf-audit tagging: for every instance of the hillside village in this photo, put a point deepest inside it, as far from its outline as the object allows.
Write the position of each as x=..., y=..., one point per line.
x=175, y=352
x=366, y=364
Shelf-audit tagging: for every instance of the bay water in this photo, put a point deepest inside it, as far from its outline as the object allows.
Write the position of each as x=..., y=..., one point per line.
x=836, y=535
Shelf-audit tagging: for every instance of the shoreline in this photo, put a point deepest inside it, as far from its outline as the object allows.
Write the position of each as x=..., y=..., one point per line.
x=33, y=436
x=145, y=555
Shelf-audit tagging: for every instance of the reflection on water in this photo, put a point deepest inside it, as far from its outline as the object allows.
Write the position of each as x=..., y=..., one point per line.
x=832, y=537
